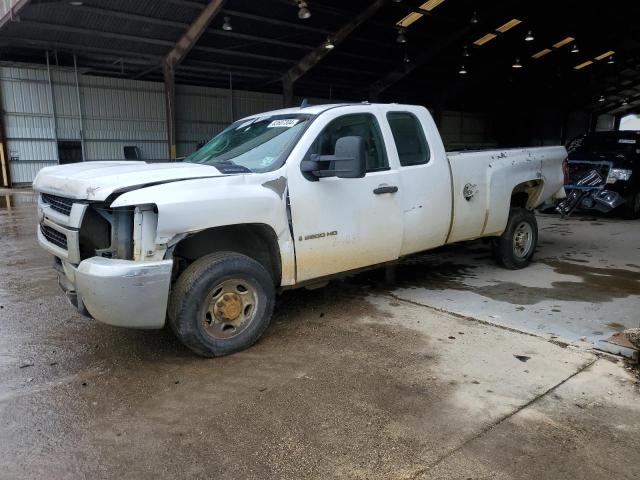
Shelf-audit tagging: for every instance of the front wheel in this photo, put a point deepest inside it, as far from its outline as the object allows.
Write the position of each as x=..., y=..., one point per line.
x=514, y=248
x=222, y=303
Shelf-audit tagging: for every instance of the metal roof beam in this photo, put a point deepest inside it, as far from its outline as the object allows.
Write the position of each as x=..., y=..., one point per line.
x=129, y=16
x=99, y=33
x=315, y=56
x=296, y=26
x=186, y=3
x=191, y=36
x=13, y=12
x=72, y=47
x=616, y=107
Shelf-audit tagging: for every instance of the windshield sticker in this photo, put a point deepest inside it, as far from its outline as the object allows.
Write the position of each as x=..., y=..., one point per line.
x=627, y=140
x=284, y=123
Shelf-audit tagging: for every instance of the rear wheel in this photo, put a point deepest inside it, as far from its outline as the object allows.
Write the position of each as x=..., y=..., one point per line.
x=514, y=248
x=631, y=207
x=222, y=303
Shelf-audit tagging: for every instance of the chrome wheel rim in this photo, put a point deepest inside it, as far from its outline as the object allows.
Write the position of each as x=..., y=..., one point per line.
x=522, y=240
x=230, y=308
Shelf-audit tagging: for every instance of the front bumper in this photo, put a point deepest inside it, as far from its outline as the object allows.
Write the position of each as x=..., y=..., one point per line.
x=122, y=293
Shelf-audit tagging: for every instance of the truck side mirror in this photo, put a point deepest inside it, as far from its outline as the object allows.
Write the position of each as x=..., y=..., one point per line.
x=348, y=161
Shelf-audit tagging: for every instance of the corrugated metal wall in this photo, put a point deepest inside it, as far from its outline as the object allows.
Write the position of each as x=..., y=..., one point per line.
x=28, y=121
x=203, y=112
x=466, y=130
x=115, y=113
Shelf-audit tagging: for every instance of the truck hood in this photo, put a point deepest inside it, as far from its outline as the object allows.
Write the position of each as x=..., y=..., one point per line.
x=98, y=180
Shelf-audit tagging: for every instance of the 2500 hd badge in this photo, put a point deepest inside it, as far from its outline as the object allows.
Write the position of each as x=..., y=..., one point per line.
x=318, y=235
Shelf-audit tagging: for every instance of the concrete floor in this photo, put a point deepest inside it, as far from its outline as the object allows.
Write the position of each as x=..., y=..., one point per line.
x=356, y=380
x=583, y=286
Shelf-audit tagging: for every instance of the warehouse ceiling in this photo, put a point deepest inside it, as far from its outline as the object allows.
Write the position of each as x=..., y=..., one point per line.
x=569, y=54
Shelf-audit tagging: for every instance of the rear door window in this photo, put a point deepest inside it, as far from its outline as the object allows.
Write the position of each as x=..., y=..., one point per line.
x=409, y=137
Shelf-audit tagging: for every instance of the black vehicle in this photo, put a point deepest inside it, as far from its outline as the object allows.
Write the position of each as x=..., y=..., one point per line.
x=604, y=173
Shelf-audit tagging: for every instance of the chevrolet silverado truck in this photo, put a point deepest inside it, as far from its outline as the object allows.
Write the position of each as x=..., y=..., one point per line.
x=278, y=200
x=604, y=174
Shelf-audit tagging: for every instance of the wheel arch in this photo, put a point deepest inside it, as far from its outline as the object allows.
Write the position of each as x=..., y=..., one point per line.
x=527, y=194
x=255, y=240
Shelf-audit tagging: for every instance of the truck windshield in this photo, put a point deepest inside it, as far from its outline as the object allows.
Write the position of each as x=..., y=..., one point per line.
x=259, y=144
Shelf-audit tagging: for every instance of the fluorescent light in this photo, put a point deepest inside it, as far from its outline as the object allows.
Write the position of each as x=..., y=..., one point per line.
x=487, y=38
x=605, y=55
x=583, y=64
x=562, y=43
x=541, y=53
x=509, y=25
x=430, y=5
x=409, y=19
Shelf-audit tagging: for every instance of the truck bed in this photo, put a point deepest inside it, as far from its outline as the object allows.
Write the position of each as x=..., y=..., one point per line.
x=489, y=177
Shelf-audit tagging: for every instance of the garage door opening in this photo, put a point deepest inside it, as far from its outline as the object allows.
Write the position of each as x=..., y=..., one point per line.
x=630, y=122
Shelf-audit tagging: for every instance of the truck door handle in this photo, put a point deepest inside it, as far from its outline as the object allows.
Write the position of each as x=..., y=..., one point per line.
x=385, y=189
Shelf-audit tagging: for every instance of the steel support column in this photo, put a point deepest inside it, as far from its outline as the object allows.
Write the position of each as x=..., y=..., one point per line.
x=287, y=92
x=170, y=107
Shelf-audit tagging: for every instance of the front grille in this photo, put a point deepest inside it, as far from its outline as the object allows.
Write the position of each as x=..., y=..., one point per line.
x=59, y=204
x=578, y=170
x=54, y=236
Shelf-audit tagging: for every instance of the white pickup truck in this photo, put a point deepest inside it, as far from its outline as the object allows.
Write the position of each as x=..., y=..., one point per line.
x=278, y=200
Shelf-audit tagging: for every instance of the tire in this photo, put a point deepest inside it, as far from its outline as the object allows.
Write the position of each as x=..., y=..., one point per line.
x=631, y=207
x=514, y=248
x=222, y=303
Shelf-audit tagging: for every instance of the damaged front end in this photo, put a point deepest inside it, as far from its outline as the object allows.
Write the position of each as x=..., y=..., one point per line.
x=107, y=261
x=587, y=189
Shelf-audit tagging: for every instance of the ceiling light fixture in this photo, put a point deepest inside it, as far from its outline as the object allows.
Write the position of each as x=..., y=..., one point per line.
x=601, y=99
x=529, y=37
x=406, y=58
x=227, y=24
x=303, y=10
x=563, y=42
x=462, y=71
x=487, y=38
x=605, y=55
x=409, y=19
x=509, y=25
x=328, y=44
x=611, y=60
x=625, y=102
x=474, y=18
x=575, y=48
x=465, y=51
x=583, y=64
x=541, y=53
x=516, y=64
x=402, y=37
